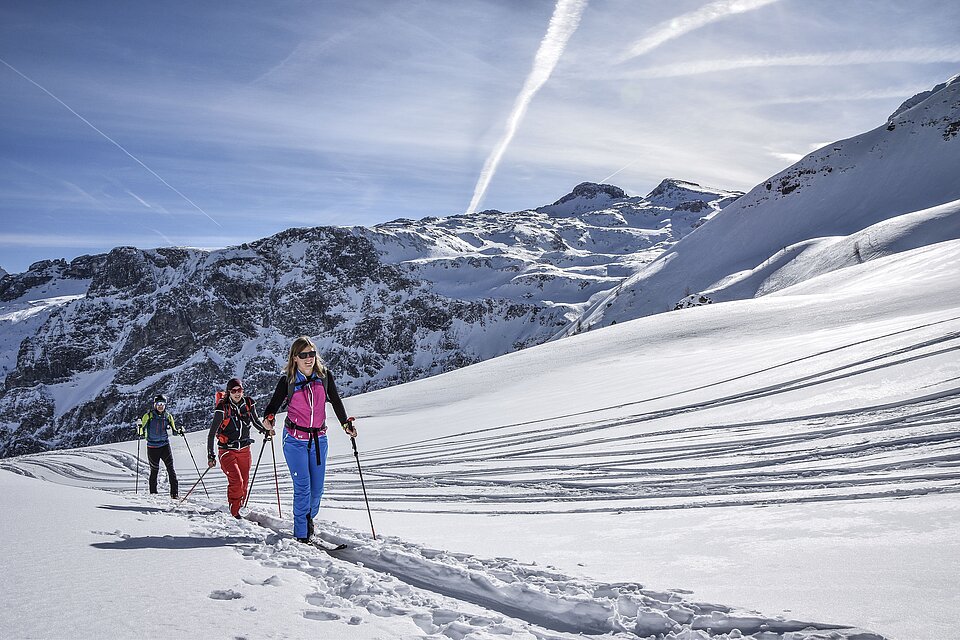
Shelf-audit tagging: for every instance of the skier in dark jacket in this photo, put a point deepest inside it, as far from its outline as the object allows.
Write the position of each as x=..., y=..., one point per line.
x=306, y=386
x=153, y=427
x=232, y=419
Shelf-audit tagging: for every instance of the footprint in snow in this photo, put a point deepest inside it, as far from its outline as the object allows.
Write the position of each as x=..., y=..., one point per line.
x=323, y=616
x=225, y=594
x=272, y=581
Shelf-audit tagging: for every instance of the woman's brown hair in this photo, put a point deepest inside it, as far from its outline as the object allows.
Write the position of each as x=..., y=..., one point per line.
x=303, y=343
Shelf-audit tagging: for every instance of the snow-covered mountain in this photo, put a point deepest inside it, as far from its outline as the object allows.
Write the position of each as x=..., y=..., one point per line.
x=86, y=344
x=891, y=189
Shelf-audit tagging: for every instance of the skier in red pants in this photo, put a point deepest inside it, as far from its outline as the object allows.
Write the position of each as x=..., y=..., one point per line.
x=232, y=419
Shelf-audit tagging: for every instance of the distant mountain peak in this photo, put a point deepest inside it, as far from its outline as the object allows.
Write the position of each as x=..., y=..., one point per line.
x=585, y=197
x=923, y=95
x=592, y=190
x=673, y=183
x=673, y=192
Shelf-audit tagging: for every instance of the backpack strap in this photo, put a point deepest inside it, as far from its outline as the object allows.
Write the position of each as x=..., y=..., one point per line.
x=224, y=406
x=291, y=389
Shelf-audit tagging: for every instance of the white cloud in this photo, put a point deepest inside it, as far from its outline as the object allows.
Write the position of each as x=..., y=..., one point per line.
x=787, y=157
x=913, y=55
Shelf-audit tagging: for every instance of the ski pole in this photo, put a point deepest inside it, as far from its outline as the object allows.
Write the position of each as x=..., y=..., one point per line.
x=276, y=479
x=356, y=454
x=194, y=486
x=137, y=483
x=254, y=477
x=195, y=464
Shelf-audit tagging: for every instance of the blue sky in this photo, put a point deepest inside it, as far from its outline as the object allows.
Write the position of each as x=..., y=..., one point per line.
x=211, y=124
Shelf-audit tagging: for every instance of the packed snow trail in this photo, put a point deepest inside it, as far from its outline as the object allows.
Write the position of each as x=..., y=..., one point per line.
x=442, y=590
x=453, y=594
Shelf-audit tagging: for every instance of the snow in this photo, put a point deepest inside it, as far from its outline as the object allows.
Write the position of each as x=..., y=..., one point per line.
x=792, y=455
x=81, y=386
x=23, y=316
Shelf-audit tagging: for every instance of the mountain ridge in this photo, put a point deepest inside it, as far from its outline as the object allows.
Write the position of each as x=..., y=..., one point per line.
x=89, y=342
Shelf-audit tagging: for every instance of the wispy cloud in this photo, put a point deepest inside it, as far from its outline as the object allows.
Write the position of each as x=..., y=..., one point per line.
x=59, y=240
x=683, y=24
x=109, y=139
x=166, y=239
x=138, y=199
x=914, y=55
x=787, y=157
x=100, y=242
x=838, y=96
x=563, y=23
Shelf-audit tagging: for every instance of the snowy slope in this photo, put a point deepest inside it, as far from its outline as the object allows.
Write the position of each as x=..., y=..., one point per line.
x=910, y=164
x=759, y=453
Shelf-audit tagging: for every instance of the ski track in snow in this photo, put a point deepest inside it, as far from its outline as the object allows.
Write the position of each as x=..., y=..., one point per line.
x=902, y=448
x=907, y=447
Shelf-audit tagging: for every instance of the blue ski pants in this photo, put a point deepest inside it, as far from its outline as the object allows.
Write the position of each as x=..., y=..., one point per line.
x=307, y=478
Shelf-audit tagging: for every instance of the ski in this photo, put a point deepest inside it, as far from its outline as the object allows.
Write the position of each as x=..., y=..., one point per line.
x=326, y=546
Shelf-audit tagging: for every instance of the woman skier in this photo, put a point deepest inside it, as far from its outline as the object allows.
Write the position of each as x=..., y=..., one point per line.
x=232, y=419
x=306, y=386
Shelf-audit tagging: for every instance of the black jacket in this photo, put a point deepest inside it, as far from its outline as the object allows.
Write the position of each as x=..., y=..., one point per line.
x=231, y=425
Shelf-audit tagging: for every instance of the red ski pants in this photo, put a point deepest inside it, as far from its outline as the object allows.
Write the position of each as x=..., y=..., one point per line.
x=236, y=466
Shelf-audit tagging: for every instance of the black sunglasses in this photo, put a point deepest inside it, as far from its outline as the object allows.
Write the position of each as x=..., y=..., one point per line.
x=306, y=355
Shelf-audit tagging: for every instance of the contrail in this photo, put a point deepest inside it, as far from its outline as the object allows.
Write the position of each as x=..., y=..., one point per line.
x=676, y=27
x=111, y=140
x=627, y=166
x=565, y=19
